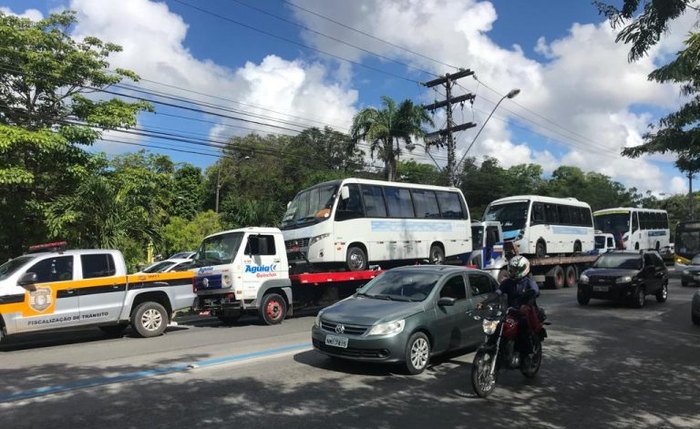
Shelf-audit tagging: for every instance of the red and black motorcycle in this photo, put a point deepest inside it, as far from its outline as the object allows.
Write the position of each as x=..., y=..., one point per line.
x=499, y=350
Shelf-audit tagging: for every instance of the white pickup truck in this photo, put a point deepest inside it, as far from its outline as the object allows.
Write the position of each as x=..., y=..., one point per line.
x=55, y=289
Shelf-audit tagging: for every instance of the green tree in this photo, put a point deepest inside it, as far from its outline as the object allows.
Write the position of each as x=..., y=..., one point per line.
x=181, y=235
x=676, y=132
x=385, y=129
x=413, y=172
x=46, y=118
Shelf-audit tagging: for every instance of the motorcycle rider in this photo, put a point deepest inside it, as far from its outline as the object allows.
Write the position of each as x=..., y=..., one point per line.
x=521, y=291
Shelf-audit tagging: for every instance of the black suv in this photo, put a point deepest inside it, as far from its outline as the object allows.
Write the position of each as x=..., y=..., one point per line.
x=625, y=276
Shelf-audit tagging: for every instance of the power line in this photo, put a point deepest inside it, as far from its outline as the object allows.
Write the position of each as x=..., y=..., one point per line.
x=208, y=12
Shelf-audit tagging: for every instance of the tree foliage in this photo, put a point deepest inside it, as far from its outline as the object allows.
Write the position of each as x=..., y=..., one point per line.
x=385, y=129
x=676, y=132
x=47, y=117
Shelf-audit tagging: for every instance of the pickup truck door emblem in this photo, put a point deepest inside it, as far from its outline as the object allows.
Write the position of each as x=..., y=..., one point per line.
x=40, y=299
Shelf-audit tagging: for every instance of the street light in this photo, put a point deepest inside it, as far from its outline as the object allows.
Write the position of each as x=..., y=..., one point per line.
x=511, y=94
x=412, y=146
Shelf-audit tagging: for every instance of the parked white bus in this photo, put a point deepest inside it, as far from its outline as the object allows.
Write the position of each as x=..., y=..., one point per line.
x=635, y=228
x=543, y=226
x=357, y=221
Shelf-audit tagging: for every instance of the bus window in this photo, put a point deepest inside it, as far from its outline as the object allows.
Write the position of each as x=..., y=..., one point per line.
x=551, y=214
x=635, y=222
x=398, y=201
x=425, y=203
x=350, y=208
x=450, y=205
x=374, y=201
x=537, y=213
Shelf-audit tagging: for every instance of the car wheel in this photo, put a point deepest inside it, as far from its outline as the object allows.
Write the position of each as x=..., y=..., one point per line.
x=273, y=309
x=696, y=319
x=583, y=297
x=638, y=297
x=149, y=319
x=417, y=353
x=356, y=259
x=684, y=283
x=437, y=255
x=662, y=294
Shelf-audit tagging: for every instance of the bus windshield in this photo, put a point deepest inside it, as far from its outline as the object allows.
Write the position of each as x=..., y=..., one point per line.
x=219, y=249
x=687, y=242
x=614, y=223
x=511, y=215
x=310, y=206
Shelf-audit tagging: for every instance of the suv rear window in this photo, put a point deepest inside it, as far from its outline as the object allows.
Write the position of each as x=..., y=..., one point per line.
x=98, y=265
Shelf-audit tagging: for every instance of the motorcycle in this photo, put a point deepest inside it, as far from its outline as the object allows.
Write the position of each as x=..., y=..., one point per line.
x=499, y=350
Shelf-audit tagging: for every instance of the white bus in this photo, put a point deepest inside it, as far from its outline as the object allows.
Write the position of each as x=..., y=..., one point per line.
x=635, y=228
x=358, y=221
x=543, y=226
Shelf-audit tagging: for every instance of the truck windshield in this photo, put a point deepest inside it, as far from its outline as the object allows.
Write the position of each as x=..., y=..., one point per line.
x=511, y=215
x=11, y=266
x=310, y=206
x=615, y=224
x=599, y=241
x=219, y=249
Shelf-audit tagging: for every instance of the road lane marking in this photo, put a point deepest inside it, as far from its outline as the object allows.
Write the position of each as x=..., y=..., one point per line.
x=137, y=375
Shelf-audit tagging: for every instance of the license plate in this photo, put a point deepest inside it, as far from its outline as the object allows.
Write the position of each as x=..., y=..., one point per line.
x=696, y=277
x=600, y=288
x=335, y=341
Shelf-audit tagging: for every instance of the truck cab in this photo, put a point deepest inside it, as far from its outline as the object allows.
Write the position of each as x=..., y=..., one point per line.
x=604, y=242
x=488, y=247
x=243, y=270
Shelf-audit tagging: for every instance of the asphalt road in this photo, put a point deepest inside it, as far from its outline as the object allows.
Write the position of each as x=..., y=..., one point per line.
x=604, y=366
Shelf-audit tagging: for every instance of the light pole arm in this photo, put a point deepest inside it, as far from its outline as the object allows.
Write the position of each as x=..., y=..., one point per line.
x=510, y=94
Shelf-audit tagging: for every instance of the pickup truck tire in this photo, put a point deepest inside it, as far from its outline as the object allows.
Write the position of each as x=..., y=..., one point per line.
x=114, y=330
x=273, y=309
x=149, y=319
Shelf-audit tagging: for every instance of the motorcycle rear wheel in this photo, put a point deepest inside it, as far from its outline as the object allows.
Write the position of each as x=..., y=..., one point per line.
x=530, y=365
x=483, y=382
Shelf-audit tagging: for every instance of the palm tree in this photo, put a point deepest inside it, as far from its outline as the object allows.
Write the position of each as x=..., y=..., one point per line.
x=385, y=129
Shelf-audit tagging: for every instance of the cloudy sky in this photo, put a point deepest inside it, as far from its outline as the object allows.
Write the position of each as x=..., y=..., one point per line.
x=293, y=64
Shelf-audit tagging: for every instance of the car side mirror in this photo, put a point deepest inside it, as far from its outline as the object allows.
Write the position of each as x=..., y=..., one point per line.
x=28, y=281
x=446, y=301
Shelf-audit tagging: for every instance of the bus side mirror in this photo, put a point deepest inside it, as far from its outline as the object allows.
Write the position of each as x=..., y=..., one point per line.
x=345, y=192
x=28, y=280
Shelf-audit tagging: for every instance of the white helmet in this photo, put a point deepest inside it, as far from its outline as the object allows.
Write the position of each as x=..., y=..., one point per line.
x=518, y=267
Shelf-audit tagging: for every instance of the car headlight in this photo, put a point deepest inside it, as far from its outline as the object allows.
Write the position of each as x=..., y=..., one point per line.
x=489, y=326
x=625, y=279
x=318, y=238
x=583, y=279
x=686, y=272
x=389, y=328
x=317, y=321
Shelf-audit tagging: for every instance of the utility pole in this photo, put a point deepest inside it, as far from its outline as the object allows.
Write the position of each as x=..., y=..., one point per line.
x=446, y=133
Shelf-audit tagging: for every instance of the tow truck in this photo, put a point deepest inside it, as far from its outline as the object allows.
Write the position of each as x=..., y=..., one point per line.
x=246, y=270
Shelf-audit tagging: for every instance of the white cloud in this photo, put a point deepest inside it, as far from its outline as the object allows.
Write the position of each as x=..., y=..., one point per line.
x=153, y=41
x=679, y=185
x=33, y=14
x=592, y=98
